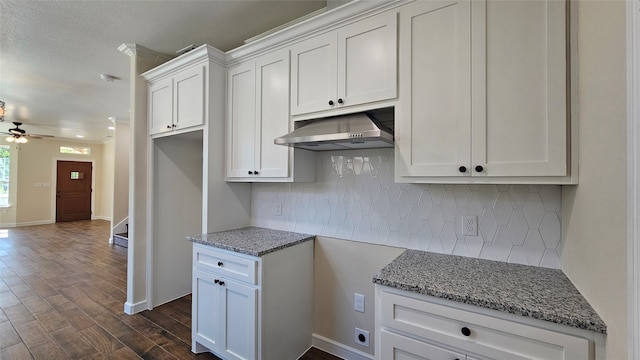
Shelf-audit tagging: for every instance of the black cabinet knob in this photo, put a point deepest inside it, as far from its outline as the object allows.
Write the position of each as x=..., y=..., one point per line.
x=255, y=172
x=250, y=172
x=462, y=169
x=216, y=281
x=340, y=101
x=465, y=331
x=174, y=125
x=168, y=126
x=221, y=283
x=479, y=168
x=220, y=263
x=330, y=102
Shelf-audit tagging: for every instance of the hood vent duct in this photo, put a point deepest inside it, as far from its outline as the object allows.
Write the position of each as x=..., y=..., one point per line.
x=364, y=130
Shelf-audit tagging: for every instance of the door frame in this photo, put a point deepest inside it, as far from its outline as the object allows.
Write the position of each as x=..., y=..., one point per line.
x=54, y=184
x=633, y=177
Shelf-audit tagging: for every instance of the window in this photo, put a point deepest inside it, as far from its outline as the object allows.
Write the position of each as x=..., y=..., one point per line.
x=77, y=150
x=4, y=175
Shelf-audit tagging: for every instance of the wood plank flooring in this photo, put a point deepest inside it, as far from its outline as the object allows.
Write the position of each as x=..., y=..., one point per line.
x=62, y=292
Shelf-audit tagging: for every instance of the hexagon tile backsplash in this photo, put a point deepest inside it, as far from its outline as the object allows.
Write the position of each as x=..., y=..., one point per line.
x=355, y=198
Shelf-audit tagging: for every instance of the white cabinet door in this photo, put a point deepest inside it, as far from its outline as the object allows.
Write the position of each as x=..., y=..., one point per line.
x=519, y=94
x=272, y=105
x=189, y=97
x=161, y=106
x=206, y=310
x=313, y=74
x=396, y=347
x=433, y=123
x=367, y=60
x=240, y=321
x=241, y=120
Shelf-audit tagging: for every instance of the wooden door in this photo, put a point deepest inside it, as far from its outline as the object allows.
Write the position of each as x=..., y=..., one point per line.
x=73, y=191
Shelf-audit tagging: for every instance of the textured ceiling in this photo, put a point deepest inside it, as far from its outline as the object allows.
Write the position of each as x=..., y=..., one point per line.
x=52, y=52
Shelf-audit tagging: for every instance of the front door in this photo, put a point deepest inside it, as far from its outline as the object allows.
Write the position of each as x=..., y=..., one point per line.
x=73, y=191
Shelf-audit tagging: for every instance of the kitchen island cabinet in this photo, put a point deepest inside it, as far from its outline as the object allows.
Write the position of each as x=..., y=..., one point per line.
x=472, y=308
x=484, y=93
x=252, y=294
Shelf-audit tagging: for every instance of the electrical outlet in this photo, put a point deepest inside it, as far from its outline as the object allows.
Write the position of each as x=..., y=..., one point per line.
x=278, y=210
x=362, y=337
x=470, y=225
x=358, y=302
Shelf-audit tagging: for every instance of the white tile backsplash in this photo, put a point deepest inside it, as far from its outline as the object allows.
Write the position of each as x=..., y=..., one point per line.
x=355, y=198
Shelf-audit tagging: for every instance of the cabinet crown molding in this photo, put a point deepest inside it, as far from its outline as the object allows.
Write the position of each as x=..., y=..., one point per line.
x=131, y=49
x=201, y=53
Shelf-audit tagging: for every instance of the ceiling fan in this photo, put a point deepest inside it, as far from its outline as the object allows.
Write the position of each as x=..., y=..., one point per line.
x=20, y=136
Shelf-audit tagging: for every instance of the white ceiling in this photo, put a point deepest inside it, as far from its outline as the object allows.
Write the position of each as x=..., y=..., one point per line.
x=52, y=52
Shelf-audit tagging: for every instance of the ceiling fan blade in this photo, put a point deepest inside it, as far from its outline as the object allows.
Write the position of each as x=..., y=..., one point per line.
x=38, y=136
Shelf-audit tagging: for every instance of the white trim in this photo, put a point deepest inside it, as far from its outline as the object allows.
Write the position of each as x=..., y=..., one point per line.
x=131, y=309
x=54, y=184
x=338, y=349
x=32, y=223
x=633, y=177
x=107, y=218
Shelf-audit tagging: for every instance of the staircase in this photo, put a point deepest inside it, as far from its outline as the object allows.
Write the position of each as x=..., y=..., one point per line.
x=122, y=238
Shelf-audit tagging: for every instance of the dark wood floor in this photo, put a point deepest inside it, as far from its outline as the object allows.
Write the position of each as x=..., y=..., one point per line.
x=62, y=291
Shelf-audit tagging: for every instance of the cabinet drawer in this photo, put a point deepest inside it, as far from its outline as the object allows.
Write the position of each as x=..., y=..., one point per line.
x=473, y=332
x=398, y=347
x=225, y=264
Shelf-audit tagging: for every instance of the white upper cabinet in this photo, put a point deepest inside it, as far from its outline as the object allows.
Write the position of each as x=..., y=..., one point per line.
x=241, y=120
x=177, y=98
x=258, y=112
x=353, y=65
x=432, y=127
x=483, y=92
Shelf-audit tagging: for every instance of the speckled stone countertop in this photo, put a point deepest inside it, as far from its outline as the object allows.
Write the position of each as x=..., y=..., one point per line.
x=253, y=241
x=540, y=293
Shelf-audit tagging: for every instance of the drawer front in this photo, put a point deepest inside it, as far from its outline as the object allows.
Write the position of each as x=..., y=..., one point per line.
x=480, y=334
x=396, y=347
x=225, y=264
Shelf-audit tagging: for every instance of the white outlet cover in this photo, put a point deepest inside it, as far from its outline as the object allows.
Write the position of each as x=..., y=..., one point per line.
x=365, y=333
x=358, y=302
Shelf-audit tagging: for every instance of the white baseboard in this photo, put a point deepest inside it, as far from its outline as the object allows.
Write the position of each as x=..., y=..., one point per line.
x=131, y=309
x=32, y=223
x=338, y=349
x=7, y=225
x=108, y=218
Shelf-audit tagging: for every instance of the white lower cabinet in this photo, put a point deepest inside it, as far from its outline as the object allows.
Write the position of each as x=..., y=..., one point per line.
x=415, y=326
x=230, y=291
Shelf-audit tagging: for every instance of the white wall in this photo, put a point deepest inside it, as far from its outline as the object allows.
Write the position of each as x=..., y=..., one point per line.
x=355, y=198
x=594, y=212
x=120, y=174
x=108, y=166
x=34, y=199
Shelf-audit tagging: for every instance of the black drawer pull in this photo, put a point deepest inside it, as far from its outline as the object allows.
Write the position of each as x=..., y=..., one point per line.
x=465, y=331
x=220, y=263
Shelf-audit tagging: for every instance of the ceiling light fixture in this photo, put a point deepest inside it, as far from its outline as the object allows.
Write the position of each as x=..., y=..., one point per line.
x=79, y=136
x=16, y=139
x=107, y=77
x=111, y=128
x=2, y=111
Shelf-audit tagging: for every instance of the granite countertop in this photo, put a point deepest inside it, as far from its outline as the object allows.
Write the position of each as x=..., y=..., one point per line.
x=536, y=292
x=253, y=241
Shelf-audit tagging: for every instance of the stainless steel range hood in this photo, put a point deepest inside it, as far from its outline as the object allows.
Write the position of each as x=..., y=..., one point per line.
x=361, y=130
